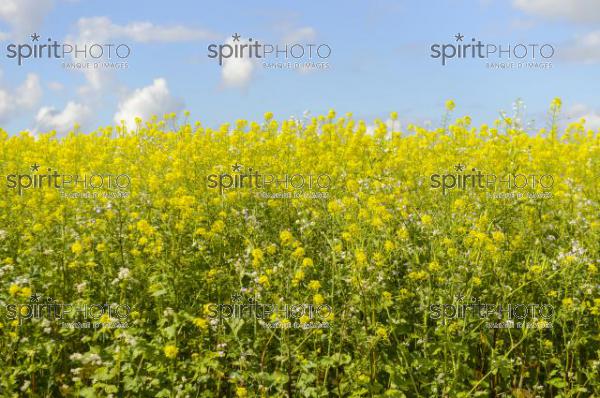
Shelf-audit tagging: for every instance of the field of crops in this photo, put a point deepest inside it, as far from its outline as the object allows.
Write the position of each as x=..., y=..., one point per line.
x=301, y=258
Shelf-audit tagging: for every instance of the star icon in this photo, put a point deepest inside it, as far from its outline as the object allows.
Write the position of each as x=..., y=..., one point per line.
x=459, y=297
x=459, y=37
x=35, y=167
x=35, y=297
x=237, y=167
x=459, y=167
x=236, y=37
x=236, y=297
x=35, y=37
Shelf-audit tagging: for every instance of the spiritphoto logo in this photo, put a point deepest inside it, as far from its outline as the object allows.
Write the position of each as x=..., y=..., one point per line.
x=496, y=315
x=83, y=56
x=503, y=186
x=273, y=56
x=496, y=55
x=273, y=315
x=70, y=315
x=83, y=186
x=271, y=186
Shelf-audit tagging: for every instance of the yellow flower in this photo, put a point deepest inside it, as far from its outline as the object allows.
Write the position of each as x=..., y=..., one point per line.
x=25, y=292
x=426, y=219
x=402, y=233
x=217, y=227
x=498, y=236
x=536, y=269
x=352, y=186
x=307, y=262
x=201, y=323
x=592, y=269
x=104, y=319
x=257, y=256
x=200, y=231
x=13, y=290
x=144, y=227
x=314, y=285
x=450, y=105
x=77, y=248
x=286, y=237
x=170, y=351
x=299, y=275
x=318, y=299
x=360, y=256
x=568, y=302
x=263, y=280
x=298, y=253
x=434, y=266
x=381, y=333
x=418, y=275
x=389, y=246
x=272, y=248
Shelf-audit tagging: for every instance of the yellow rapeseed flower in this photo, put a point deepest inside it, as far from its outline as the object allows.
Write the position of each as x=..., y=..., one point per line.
x=170, y=351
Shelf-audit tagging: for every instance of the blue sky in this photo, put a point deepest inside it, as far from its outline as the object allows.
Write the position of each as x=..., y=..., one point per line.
x=380, y=60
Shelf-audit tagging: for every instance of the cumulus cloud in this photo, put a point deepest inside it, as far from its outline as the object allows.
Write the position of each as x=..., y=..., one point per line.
x=584, y=49
x=236, y=72
x=146, y=102
x=49, y=118
x=392, y=126
x=300, y=35
x=587, y=11
x=20, y=99
x=30, y=92
x=24, y=16
x=579, y=111
x=102, y=28
x=55, y=86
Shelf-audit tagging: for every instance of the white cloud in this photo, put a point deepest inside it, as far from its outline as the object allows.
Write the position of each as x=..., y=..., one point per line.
x=579, y=111
x=22, y=98
x=584, y=49
x=49, y=118
x=24, y=16
x=572, y=10
x=392, y=126
x=30, y=92
x=146, y=102
x=55, y=86
x=236, y=72
x=300, y=35
x=521, y=24
x=102, y=28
